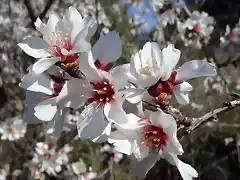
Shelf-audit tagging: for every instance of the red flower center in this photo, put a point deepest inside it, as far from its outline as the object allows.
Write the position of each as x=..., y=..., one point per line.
x=154, y=137
x=103, y=92
x=163, y=90
x=164, y=86
x=59, y=44
x=57, y=85
x=196, y=28
x=103, y=67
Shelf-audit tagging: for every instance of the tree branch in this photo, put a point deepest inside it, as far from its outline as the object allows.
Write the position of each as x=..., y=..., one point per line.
x=197, y=122
x=47, y=7
x=31, y=12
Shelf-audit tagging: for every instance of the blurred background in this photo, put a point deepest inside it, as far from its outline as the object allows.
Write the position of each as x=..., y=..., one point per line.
x=213, y=149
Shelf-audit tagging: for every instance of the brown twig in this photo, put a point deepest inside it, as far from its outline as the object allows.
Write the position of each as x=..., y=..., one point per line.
x=197, y=122
x=31, y=12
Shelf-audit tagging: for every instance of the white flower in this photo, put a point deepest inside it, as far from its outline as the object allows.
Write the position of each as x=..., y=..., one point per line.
x=107, y=50
x=43, y=101
x=111, y=153
x=80, y=169
x=34, y=167
x=103, y=90
x=149, y=139
x=62, y=40
x=63, y=154
x=196, y=30
x=154, y=73
x=142, y=135
x=165, y=10
x=45, y=156
x=13, y=129
x=141, y=168
x=230, y=36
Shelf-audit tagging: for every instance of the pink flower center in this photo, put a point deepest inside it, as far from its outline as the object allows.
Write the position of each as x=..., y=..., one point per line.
x=154, y=137
x=103, y=67
x=57, y=85
x=164, y=86
x=59, y=42
x=163, y=90
x=103, y=92
x=196, y=28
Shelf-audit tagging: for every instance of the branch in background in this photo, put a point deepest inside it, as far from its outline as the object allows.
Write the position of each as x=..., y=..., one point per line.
x=197, y=122
x=45, y=10
x=31, y=12
x=193, y=123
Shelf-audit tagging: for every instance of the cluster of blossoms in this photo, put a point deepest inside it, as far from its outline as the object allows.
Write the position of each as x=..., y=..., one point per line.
x=48, y=159
x=231, y=36
x=13, y=129
x=195, y=31
x=69, y=73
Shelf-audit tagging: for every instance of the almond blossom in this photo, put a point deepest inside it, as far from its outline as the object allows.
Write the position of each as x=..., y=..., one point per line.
x=196, y=30
x=230, y=36
x=42, y=96
x=13, y=129
x=103, y=91
x=165, y=10
x=150, y=138
x=45, y=157
x=153, y=73
x=62, y=40
x=80, y=169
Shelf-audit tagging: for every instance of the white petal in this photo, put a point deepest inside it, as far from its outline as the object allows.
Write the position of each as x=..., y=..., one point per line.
x=140, y=151
x=120, y=78
x=32, y=99
x=105, y=134
x=47, y=29
x=146, y=54
x=92, y=124
x=115, y=113
x=141, y=168
x=43, y=64
x=170, y=59
x=79, y=167
x=76, y=19
x=36, y=82
x=108, y=48
x=181, y=92
x=163, y=119
x=46, y=110
x=134, y=95
x=74, y=93
x=35, y=47
x=57, y=123
x=88, y=67
x=196, y=68
x=130, y=127
x=81, y=46
x=186, y=171
x=120, y=142
x=91, y=175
